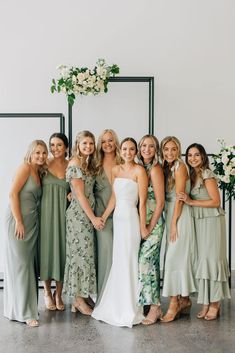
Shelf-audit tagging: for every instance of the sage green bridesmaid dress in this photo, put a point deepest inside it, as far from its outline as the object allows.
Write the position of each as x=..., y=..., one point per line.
x=212, y=270
x=20, y=279
x=53, y=227
x=104, y=238
x=80, y=270
x=181, y=255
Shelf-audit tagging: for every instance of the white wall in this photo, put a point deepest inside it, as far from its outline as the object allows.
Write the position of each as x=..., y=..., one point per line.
x=187, y=45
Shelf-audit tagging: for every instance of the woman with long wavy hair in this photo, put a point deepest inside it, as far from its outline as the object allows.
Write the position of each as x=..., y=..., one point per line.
x=80, y=270
x=181, y=252
x=108, y=156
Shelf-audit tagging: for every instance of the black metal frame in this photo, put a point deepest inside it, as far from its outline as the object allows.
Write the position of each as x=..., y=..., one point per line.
x=34, y=115
x=137, y=79
x=37, y=115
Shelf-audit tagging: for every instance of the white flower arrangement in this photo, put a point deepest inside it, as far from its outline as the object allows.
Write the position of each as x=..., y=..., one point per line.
x=74, y=81
x=224, y=163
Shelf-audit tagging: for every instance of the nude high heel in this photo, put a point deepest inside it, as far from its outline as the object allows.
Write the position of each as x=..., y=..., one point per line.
x=213, y=313
x=173, y=312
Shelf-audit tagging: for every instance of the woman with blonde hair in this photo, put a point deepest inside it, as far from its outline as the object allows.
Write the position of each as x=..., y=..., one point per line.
x=149, y=255
x=20, y=278
x=108, y=156
x=80, y=271
x=180, y=258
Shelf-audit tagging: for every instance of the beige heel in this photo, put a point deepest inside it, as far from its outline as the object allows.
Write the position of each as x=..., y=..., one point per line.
x=73, y=309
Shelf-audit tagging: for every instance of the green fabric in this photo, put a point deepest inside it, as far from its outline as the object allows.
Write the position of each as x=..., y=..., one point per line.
x=80, y=272
x=149, y=257
x=212, y=270
x=52, y=228
x=20, y=283
x=181, y=255
x=104, y=238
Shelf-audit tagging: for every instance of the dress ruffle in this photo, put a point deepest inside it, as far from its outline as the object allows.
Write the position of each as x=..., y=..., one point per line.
x=213, y=270
x=203, y=212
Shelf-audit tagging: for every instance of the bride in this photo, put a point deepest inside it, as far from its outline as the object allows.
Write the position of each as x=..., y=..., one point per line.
x=119, y=303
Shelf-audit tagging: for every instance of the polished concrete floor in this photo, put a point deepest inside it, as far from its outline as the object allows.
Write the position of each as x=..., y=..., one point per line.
x=66, y=332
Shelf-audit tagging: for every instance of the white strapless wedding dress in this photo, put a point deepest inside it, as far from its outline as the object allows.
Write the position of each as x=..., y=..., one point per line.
x=118, y=304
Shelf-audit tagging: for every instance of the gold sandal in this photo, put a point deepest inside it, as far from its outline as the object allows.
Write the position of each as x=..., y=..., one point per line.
x=156, y=316
x=58, y=302
x=203, y=312
x=32, y=323
x=212, y=313
x=49, y=302
x=173, y=312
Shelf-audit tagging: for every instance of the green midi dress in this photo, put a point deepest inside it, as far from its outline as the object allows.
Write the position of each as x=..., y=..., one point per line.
x=20, y=277
x=80, y=270
x=53, y=228
x=149, y=257
x=104, y=237
x=181, y=255
x=212, y=269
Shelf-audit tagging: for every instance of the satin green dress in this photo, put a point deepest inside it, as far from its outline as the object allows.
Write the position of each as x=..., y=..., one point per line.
x=80, y=270
x=20, y=278
x=149, y=256
x=181, y=255
x=104, y=238
x=212, y=270
x=53, y=228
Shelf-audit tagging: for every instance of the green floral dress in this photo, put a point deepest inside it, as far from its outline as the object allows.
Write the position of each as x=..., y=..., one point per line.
x=149, y=256
x=80, y=273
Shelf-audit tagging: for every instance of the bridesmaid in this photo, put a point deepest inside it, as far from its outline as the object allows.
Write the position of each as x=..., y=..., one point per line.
x=180, y=259
x=80, y=271
x=149, y=255
x=20, y=282
x=212, y=270
x=108, y=156
x=52, y=228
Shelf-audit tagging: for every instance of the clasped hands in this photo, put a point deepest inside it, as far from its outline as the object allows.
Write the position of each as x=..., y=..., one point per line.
x=98, y=223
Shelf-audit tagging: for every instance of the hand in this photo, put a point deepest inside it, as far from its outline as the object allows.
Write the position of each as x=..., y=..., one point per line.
x=98, y=223
x=69, y=197
x=182, y=196
x=19, y=230
x=173, y=233
x=144, y=233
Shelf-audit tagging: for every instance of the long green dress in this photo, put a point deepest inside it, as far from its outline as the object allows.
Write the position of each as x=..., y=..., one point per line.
x=149, y=256
x=20, y=280
x=104, y=238
x=80, y=272
x=181, y=255
x=212, y=270
x=52, y=227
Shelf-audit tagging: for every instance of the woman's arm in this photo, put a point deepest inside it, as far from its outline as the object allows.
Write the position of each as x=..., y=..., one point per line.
x=79, y=190
x=181, y=176
x=142, y=181
x=213, y=192
x=157, y=179
x=20, y=178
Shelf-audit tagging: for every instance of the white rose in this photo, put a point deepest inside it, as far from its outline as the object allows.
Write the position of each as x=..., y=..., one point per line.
x=63, y=89
x=224, y=158
x=233, y=171
x=80, y=77
x=101, y=71
x=225, y=179
x=74, y=79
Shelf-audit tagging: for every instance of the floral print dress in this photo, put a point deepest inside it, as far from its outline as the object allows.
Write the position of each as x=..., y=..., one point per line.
x=149, y=257
x=80, y=272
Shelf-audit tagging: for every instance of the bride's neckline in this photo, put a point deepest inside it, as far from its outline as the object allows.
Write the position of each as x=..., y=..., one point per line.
x=126, y=179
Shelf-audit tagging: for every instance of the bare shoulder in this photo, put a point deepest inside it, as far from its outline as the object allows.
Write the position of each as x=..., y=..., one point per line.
x=23, y=170
x=140, y=171
x=156, y=170
x=181, y=169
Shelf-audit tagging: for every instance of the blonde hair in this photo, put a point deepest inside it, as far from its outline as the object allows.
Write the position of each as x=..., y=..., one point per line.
x=31, y=149
x=87, y=164
x=169, y=170
x=100, y=152
x=155, y=158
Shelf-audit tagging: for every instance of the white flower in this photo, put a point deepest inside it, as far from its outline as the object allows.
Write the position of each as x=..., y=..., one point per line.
x=81, y=77
x=225, y=179
x=101, y=71
x=233, y=171
x=224, y=158
x=227, y=169
x=63, y=89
